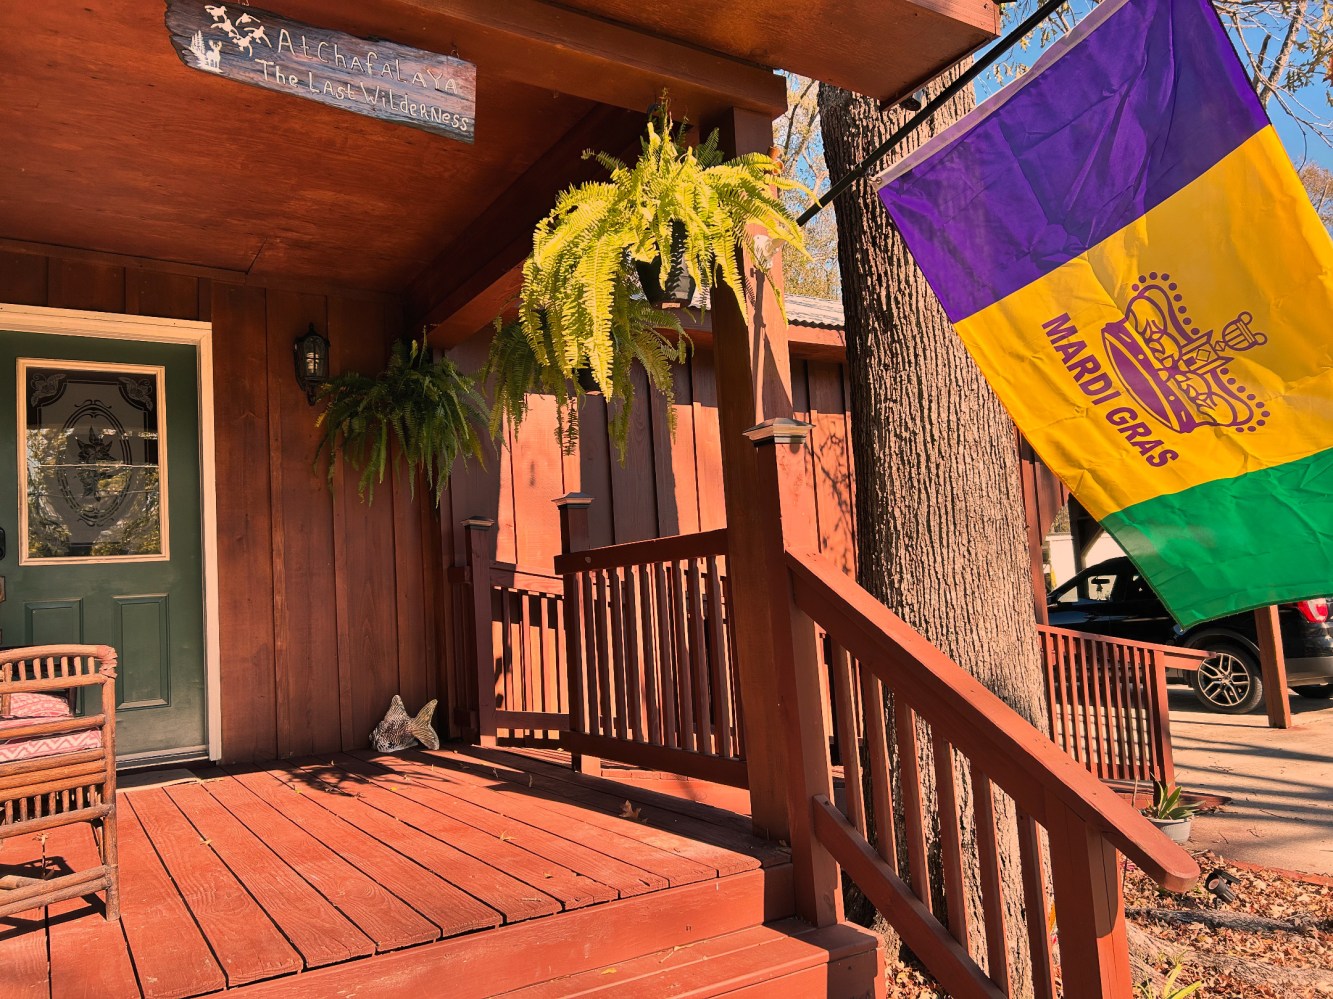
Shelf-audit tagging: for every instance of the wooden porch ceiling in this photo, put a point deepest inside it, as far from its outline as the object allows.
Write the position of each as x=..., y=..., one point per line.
x=115, y=146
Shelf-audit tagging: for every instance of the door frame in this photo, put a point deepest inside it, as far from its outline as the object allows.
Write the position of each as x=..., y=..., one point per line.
x=153, y=329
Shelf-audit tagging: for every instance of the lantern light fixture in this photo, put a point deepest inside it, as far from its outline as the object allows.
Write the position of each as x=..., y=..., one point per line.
x=311, y=353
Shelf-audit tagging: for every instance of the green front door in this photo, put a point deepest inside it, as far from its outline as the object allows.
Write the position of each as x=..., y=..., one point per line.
x=99, y=504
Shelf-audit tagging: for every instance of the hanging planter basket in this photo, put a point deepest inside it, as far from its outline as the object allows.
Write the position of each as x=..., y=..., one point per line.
x=678, y=292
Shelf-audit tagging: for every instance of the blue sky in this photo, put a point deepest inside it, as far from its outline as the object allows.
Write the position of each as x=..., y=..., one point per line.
x=1302, y=147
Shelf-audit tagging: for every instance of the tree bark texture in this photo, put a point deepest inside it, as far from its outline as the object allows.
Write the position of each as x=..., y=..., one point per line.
x=939, y=508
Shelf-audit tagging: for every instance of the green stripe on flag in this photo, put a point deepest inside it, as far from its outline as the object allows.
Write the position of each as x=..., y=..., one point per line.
x=1236, y=544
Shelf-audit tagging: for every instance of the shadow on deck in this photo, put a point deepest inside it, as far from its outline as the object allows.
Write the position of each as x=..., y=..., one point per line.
x=489, y=870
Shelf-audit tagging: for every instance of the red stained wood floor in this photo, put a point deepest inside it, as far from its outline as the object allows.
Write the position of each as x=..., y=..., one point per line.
x=310, y=871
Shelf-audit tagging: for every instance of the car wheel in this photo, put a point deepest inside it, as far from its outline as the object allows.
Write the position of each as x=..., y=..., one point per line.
x=1318, y=691
x=1228, y=681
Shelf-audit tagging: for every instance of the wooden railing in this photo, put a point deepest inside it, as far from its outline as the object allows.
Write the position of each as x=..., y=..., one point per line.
x=516, y=621
x=1021, y=788
x=965, y=807
x=649, y=653
x=1106, y=702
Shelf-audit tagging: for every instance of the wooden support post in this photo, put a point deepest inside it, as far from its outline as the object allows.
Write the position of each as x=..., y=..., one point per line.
x=574, y=538
x=753, y=385
x=1273, y=664
x=1089, y=909
x=1160, y=718
x=783, y=511
x=478, y=533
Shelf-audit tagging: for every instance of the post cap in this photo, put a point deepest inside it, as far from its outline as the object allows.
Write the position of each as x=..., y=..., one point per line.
x=782, y=430
x=479, y=523
x=573, y=499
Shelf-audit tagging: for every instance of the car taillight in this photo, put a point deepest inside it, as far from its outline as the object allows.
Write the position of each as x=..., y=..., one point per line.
x=1315, y=611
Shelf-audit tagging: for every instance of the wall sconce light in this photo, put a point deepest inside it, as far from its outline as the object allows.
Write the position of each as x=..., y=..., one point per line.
x=312, y=362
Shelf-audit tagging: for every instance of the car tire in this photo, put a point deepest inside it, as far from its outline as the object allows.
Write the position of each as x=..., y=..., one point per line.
x=1316, y=691
x=1229, y=682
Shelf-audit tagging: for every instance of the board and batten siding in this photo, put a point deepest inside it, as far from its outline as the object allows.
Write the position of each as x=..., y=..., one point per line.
x=327, y=607
x=668, y=485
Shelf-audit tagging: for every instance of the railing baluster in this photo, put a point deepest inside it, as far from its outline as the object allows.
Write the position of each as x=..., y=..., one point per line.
x=618, y=666
x=849, y=749
x=671, y=734
x=1035, y=905
x=718, y=659
x=992, y=898
x=593, y=715
x=877, y=750
x=680, y=632
x=605, y=690
x=951, y=847
x=653, y=687
x=909, y=770
x=501, y=629
x=636, y=677
x=699, y=660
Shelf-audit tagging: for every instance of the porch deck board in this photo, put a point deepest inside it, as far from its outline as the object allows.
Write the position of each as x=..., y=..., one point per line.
x=242, y=937
x=542, y=809
x=387, y=920
x=607, y=873
x=318, y=931
x=450, y=909
x=316, y=868
x=397, y=797
x=74, y=931
x=23, y=968
x=170, y=965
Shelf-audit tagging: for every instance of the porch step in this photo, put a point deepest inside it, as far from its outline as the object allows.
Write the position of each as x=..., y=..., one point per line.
x=788, y=957
x=550, y=948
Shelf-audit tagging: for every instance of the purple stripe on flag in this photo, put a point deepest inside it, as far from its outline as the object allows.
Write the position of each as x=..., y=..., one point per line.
x=1153, y=97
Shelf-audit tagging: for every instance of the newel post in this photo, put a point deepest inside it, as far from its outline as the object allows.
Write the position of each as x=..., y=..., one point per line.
x=574, y=537
x=784, y=520
x=478, y=533
x=1089, y=907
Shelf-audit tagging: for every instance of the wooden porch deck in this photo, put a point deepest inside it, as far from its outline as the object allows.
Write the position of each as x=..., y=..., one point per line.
x=319, y=877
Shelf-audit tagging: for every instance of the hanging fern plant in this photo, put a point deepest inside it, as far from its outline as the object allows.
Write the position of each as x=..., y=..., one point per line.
x=418, y=411
x=581, y=308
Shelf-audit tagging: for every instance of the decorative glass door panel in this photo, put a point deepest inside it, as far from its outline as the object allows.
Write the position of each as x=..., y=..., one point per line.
x=93, y=462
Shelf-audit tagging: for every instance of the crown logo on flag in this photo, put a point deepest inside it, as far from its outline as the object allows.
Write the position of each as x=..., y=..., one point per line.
x=1176, y=371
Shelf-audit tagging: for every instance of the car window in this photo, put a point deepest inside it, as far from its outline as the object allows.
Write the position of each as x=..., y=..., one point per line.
x=1087, y=585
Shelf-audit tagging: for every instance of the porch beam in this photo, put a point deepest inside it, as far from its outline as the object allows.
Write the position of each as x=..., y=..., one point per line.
x=1273, y=665
x=559, y=50
x=477, y=275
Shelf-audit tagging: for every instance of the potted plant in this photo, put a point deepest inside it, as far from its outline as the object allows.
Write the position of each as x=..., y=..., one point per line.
x=678, y=214
x=1170, y=813
x=422, y=409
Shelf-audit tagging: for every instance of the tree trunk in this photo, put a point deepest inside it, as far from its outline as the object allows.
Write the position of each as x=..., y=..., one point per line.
x=939, y=509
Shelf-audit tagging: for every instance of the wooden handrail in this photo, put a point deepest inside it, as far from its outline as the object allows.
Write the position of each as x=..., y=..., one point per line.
x=1018, y=757
x=1192, y=655
x=672, y=549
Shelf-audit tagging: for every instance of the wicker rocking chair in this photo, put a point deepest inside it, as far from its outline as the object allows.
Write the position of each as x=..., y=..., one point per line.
x=57, y=767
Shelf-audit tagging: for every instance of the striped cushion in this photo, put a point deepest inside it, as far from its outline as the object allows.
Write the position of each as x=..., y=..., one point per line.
x=46, y=745
x=28, y=705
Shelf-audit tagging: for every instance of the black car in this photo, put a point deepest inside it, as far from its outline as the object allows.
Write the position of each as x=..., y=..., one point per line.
x=1111, y=598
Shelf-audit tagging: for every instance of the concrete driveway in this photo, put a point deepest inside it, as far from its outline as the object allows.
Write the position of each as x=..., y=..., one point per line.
x=1280, y=782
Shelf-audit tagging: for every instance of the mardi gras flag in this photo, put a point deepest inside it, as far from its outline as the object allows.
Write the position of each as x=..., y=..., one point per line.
x=1120, y=239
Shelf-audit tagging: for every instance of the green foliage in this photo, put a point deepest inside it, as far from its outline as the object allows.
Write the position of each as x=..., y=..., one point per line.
x=1167, y=804
x=580, y=306
x=425, y=412
x=1168, y=990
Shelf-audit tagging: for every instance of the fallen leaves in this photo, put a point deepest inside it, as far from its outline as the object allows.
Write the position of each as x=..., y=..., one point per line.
x=628, y=811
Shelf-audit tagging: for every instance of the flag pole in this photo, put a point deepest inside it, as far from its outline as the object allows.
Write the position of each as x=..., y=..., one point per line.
x=978, y=67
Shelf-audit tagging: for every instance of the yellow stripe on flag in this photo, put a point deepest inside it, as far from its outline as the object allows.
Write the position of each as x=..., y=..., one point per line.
x=1128, y=415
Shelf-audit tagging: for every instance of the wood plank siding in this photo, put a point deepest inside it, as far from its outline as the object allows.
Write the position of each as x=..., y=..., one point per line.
x=322, y=613
x=329, y=607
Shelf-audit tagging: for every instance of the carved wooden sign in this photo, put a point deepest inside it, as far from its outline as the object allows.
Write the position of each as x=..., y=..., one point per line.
x=380, y=79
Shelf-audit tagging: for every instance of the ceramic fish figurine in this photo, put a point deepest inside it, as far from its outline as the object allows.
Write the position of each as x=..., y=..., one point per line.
x=400, y=731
